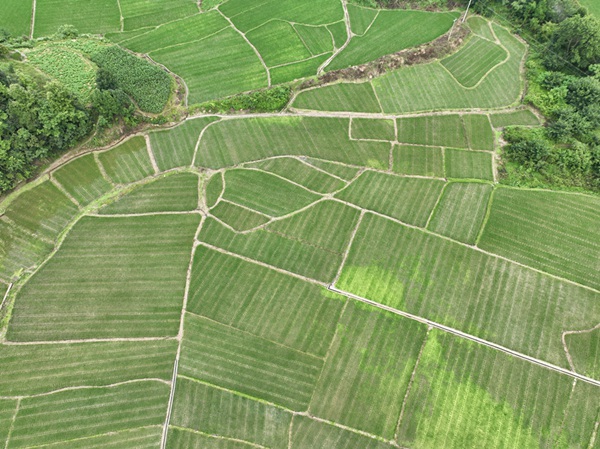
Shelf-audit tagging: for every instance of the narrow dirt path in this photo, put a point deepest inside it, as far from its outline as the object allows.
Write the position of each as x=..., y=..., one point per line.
x=348, y=39
x=32, y=27
x=566, y=347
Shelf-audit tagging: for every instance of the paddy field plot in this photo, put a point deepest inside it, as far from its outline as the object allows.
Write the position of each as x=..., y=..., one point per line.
x=214, y=189
x=295, y=70
x=352, y=97
x=232, y=142
x=74, y=414
x=370, y=362
x=481, y=27
x=552, y=231
x=100, y=16
x=462, y=164
x=127, y=162
x=317, y=39
x=361, y=18
x=461, y=287
x=522, y=117
x=141, y=13
x=238, y=217
x=262, y=302
x=254, y=366
x=278, y=43
x=462, y=393
x=37, y=369
x=182, y=438
x=345, y=172
x=461, y=211
x=43, y=211
x=16, y=16
x=172, y=193
x=212, y=411
x=83, y=180
x=418, y=160
x=133, y=286
x=373, y=129
x=584, y=348
x=139, y=438
x=410, y=200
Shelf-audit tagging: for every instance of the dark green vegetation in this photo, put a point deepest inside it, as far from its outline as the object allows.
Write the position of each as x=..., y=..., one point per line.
x=199, y=286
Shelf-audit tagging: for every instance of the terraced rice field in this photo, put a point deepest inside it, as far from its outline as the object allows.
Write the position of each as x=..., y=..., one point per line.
x=303, y=280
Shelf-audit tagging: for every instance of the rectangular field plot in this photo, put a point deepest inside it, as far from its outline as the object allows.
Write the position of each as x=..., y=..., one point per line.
x=477, y=57
x=463, y=393
x=236, y=141
x=551, y=231
x=211, y=73
x=479, y=132
x=16, y=16
x=461, y=164
x=239, y=218
x=141, y=438
x=112, y=277
x=407, y=199
x=35, y=369
x=265, y=193
x=43, y=210
x=461, y=287
x=82, y=179
x=523, y=117
x=461, y=210
x=364, y=128
x=239, y=361
x=173, y=193
x=281, y=251
x=391, y=32
x=417, y=160
x=310, y=434
x=216, y=412
x=19, y=250
x=435, y=130
x=187, y=439
x=73, y=414
x=263, y=302
x=301, y=173
x=370, y=362
x=175, y=147
x=142, y=13
x=97, y=17
x=127, y=162
x=297, y=70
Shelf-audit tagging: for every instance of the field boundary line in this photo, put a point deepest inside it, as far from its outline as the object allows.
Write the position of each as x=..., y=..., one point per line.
x=223, y=200
x=121, y=18
x=12, y=422
x=349, y=246
x=377, y=98
x=151, y=154
x=88, y=387
x=219, y=437
x=91, y=340
x=5, y=295
x=290, y=432
x=473, y=247
x=260, y=58
x=100, y=166
x=435, y=206
x=263, y=264
x=200, y=135
x=326, y=358
x=594, y=433
x=146, y=214
x=486, y=217
x=320, y=169
x=60, y=187
x=566, y=347
x=410, y=382
x=163, y=439
x=470, y=337
x=349, y=36
x=299, y=60
x=229, y=326
x=32, y=26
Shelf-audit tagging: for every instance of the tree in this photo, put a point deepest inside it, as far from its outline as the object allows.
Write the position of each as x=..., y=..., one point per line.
x=576, y=40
